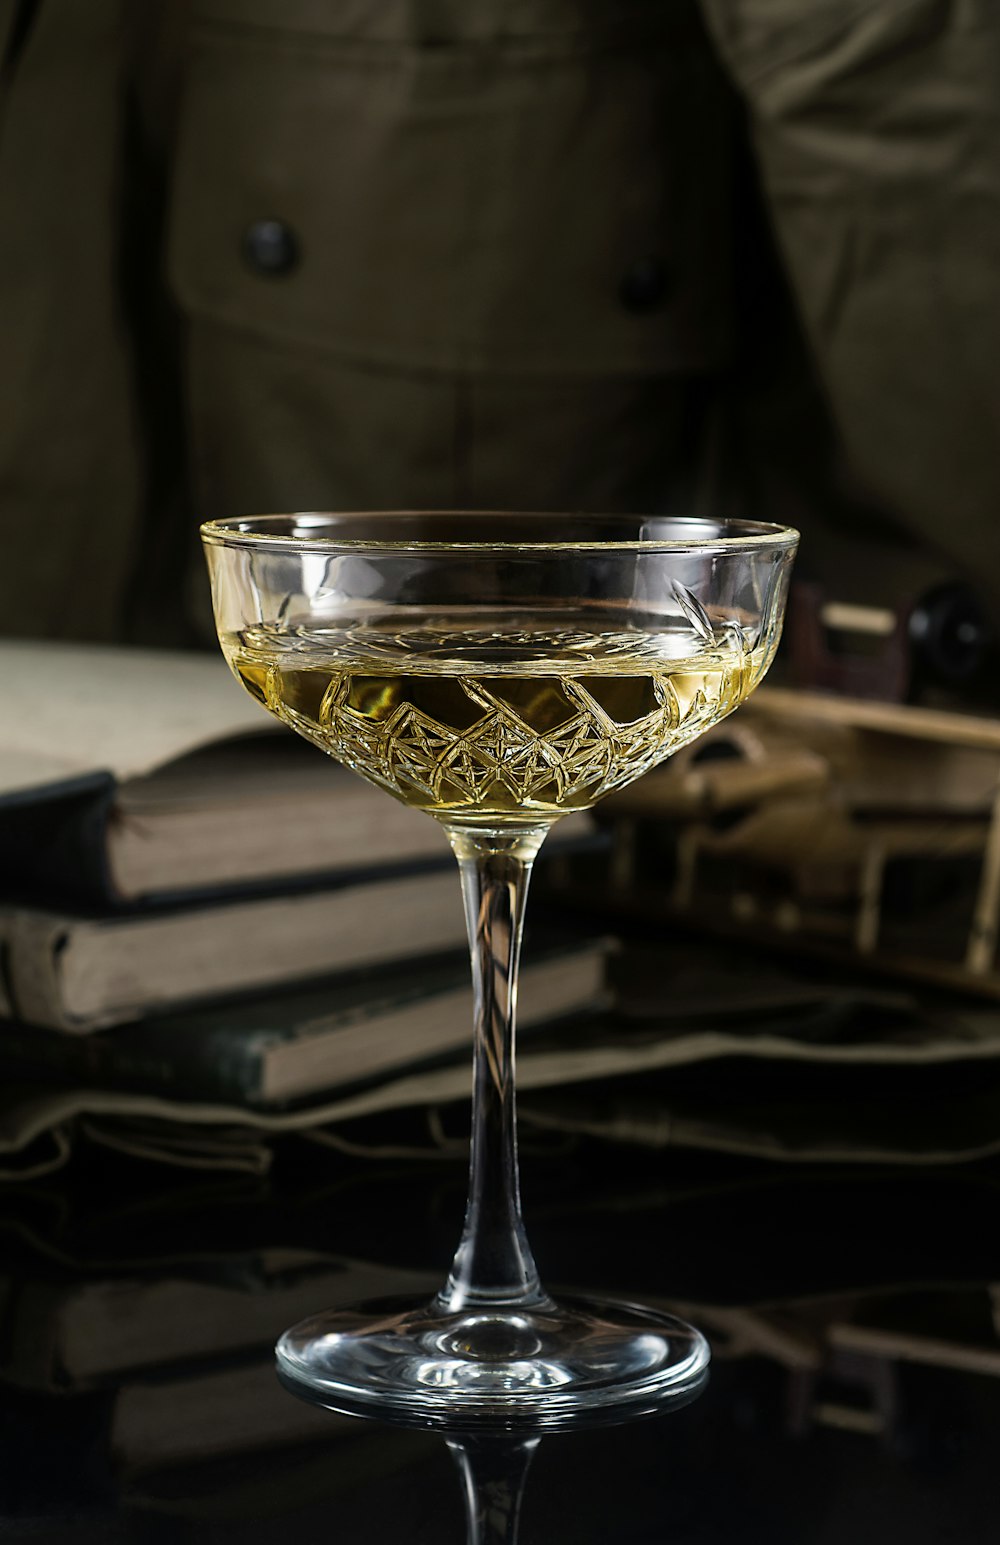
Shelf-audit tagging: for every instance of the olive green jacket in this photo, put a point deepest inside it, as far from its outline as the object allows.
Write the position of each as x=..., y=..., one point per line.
x=272, y=254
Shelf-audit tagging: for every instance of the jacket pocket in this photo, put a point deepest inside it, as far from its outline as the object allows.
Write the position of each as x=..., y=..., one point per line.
x=546, y=203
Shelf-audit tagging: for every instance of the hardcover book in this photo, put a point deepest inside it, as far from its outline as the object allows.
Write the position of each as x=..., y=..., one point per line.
x=281, y=1048
x=130, y=775
x=80, y=973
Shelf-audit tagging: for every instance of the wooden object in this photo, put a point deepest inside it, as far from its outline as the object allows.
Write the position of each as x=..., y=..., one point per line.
x=819, y=795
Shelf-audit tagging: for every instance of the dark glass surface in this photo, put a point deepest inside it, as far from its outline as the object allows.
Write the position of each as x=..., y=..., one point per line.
x=138, y=1400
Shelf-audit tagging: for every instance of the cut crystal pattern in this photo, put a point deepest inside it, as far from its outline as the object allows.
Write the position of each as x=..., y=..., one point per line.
x=500, y=758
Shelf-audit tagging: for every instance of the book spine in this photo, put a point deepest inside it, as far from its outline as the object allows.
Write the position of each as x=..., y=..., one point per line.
x=108, y=1060
x=7, y=1010
x=29, y=1335
x=33, y=944
x=59, y=846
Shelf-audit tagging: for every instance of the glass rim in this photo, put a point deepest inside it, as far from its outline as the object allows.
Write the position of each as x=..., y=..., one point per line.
x=746, y=535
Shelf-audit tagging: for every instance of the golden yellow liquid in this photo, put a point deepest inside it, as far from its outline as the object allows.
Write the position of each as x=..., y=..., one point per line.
x=495, y=725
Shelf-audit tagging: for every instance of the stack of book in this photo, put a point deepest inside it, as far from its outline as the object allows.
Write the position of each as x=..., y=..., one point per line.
x=198, y=906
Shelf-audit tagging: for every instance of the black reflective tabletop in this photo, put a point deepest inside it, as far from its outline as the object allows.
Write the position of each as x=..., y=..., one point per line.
x=854, y=1393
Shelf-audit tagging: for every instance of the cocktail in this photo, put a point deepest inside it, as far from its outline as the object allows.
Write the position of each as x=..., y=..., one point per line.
x=496, y=671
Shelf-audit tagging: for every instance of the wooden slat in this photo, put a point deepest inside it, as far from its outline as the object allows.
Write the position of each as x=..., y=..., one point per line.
x=956, y=729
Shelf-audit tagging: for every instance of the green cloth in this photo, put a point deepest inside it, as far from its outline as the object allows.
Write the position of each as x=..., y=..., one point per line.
x=826, y=1075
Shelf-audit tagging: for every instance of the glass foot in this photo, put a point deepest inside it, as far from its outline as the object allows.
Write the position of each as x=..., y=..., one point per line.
x=542, y=1366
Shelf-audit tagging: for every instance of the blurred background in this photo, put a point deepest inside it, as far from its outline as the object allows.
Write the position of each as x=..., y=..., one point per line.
x=711, y=257
x=553, y=254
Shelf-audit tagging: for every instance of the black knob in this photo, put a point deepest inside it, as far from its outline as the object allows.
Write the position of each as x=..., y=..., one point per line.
x=950, y=633
x=645, y=286
x=270, y=247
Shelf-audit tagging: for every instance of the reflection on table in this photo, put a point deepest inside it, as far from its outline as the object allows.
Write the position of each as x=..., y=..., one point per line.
x=853, y=1395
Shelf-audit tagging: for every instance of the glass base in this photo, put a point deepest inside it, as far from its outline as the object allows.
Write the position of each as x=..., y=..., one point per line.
x=541, y=1367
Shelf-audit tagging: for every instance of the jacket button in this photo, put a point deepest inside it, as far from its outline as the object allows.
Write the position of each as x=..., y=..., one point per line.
x=950, y=633
x=645, y=285
x=270, y=247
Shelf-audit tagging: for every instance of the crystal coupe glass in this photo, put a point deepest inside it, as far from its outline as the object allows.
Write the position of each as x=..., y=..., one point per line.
x=496, y=671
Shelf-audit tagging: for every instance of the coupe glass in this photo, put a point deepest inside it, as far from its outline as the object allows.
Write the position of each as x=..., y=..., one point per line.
x=496, y=671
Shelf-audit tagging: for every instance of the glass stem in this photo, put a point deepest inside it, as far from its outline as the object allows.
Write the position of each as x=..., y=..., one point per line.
x=494, y=1265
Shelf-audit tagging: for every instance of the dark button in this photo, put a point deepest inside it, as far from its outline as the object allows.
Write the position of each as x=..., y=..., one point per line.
x=645, y=286
x=950, y=632
x=270, y=247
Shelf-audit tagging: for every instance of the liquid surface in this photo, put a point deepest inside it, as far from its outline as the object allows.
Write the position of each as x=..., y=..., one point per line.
x=493, y=725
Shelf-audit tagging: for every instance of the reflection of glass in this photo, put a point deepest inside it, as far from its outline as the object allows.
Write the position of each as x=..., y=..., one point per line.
x=493, y=1468
x=493, y=1461
x=497, y=671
